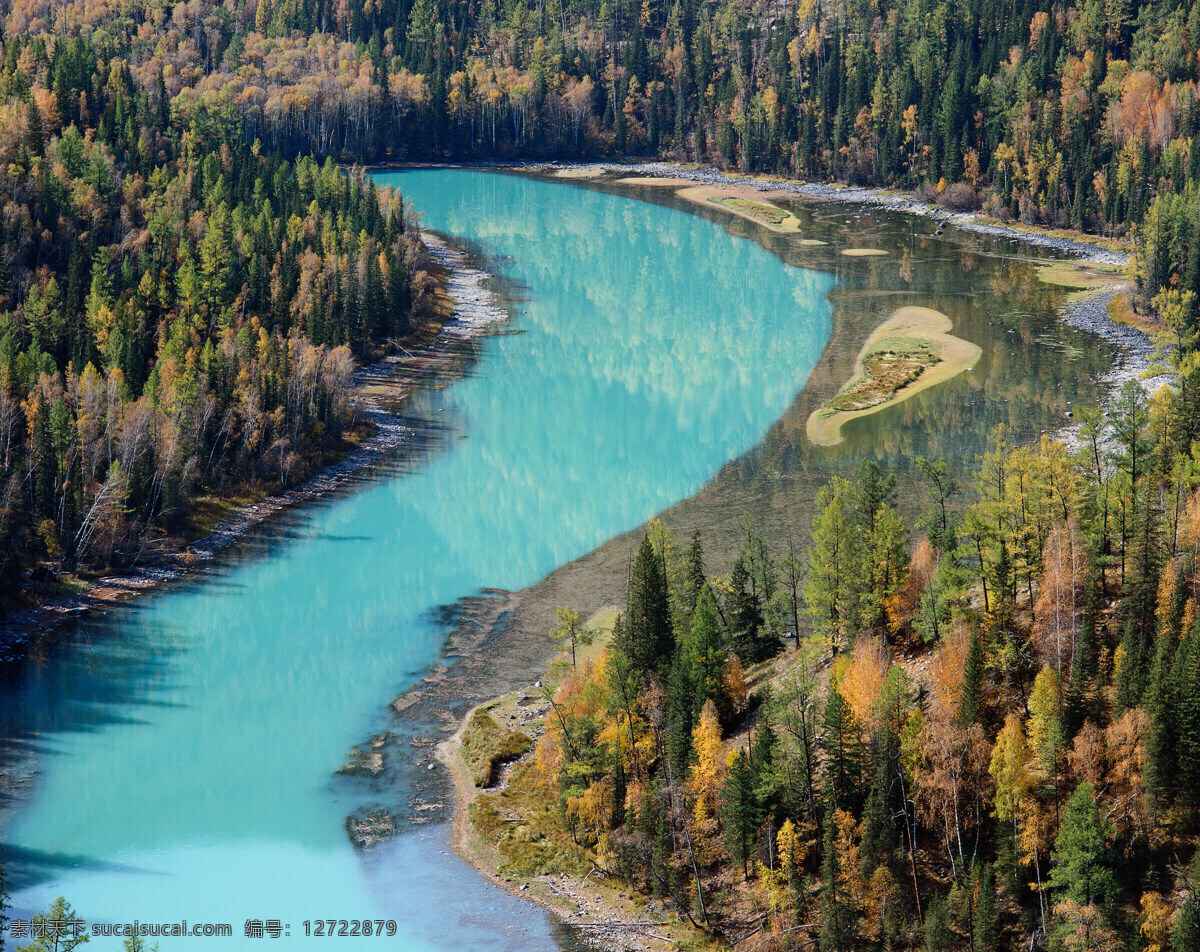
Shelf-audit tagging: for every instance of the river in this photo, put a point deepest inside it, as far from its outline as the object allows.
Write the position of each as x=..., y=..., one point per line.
x=185, y=748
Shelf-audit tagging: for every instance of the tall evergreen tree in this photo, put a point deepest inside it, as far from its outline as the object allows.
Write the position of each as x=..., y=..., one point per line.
x=646, y=636
x=741, y=812
x=972, y=686
x=839, y=741
x=1082, y=859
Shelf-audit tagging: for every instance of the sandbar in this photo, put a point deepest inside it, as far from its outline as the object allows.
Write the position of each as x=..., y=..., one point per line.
x=909, y=352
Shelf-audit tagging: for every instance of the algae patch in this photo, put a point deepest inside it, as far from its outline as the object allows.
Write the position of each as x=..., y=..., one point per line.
x=909, y=352
x=1066, y=274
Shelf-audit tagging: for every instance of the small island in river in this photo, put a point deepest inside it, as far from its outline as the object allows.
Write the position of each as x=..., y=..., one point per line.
x=909, y=352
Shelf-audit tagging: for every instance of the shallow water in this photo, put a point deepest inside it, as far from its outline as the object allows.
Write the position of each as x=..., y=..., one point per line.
x=185, y=748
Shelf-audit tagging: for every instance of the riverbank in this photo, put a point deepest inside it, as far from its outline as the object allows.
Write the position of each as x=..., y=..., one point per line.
x=469, y=310
x=507, y=828
x=1076, y=245
x=1093, y=312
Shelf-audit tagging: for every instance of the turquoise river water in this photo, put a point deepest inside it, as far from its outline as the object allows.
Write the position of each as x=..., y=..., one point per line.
x=185, y=748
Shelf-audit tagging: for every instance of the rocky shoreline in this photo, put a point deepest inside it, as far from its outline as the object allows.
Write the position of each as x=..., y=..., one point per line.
x=1137, y=348
x=377, y=388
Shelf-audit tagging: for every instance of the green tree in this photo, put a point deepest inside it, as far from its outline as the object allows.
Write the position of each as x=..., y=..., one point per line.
x=839, y=741
x=703, y=652
x=570, y=632
x=646, y=635
x=741, y=811
x=1082, y=870
x=838, y=914
x=972, y=687
x=830, y=587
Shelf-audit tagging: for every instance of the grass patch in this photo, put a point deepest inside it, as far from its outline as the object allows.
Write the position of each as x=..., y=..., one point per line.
x=523, y=824
x=486, y=746
x=890, y=364
x=767, y=214
x=205, y=513
x=763, y=213
x=1121, y=310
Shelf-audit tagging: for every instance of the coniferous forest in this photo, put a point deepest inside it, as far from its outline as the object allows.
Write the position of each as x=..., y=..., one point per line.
x=986, y=736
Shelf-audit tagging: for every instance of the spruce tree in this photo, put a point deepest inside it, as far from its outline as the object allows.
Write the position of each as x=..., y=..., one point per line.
x=681, y=710
x=646, y=637
x=939, y=936
x=1185, y=717
x=1162, y=734
x=1082, y=859
x=741, y=812
x=879, y=827
x=987, y=913
x=839, y=740
x=972, y=686
x=746, y=635
x=694, y=573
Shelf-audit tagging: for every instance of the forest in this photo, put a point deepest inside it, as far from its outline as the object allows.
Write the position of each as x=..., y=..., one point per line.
x=978, y=729
x=1078, y=114
x=181, y=310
